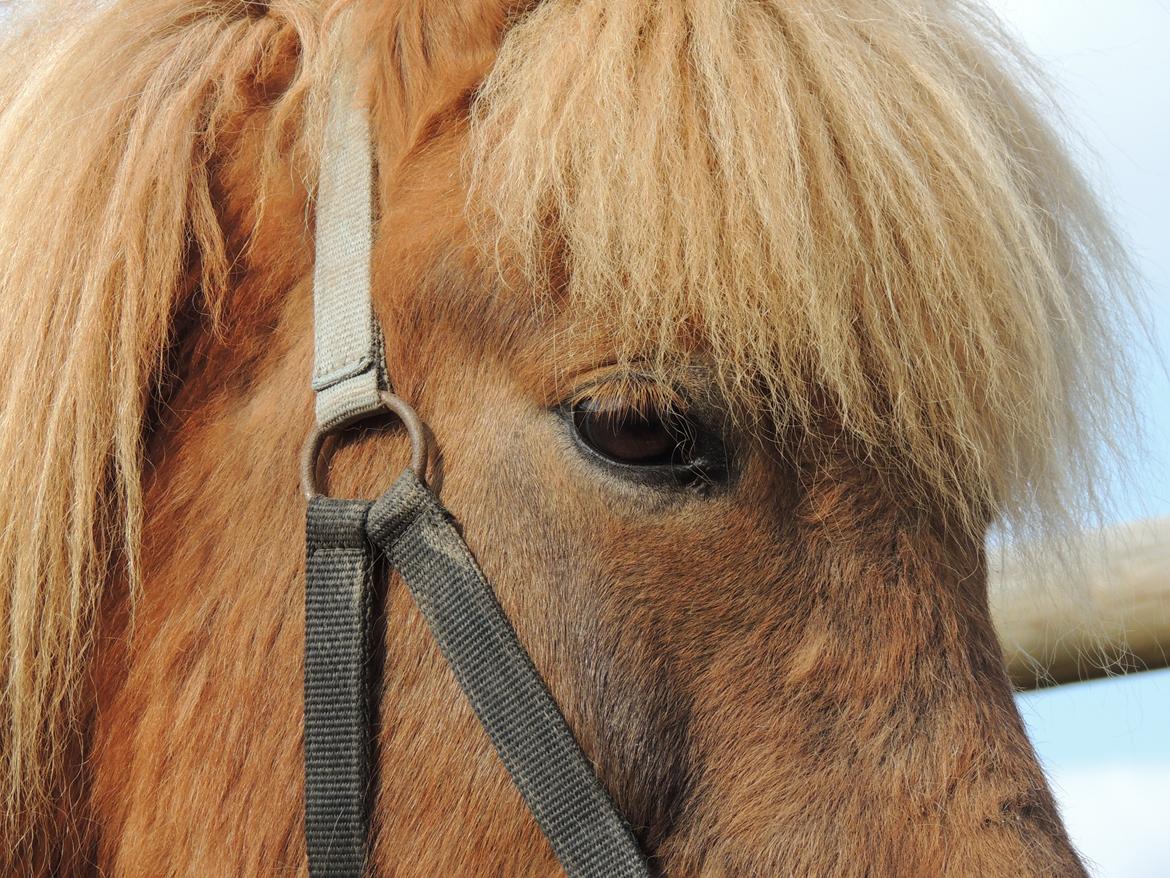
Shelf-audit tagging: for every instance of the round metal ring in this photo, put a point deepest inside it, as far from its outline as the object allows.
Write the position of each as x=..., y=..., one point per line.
x=311, y=452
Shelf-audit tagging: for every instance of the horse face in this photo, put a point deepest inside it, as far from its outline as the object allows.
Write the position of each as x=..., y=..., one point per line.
x=777, y=662
x=777, y=654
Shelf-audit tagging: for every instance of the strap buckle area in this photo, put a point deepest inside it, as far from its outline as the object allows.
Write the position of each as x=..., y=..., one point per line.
x=311, y=457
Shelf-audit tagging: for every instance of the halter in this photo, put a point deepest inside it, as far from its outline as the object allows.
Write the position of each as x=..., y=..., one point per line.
x=411, y=530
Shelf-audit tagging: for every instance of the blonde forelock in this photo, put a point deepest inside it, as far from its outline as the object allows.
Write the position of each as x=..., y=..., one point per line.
x=858, y=206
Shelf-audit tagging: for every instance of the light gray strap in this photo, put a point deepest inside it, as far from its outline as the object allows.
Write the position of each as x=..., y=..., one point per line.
x=349, y=366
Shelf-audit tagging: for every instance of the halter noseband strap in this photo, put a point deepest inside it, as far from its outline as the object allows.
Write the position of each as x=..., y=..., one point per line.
x=410, y=528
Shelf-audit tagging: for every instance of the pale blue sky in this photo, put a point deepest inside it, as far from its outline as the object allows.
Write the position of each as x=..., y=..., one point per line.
x=1112, y=67
x=1106, y=744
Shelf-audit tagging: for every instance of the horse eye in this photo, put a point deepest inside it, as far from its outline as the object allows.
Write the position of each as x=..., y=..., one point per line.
x=633, y=437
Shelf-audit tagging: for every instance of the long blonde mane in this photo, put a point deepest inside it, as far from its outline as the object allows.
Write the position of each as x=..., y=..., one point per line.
x=844, y=201
x=108, y=122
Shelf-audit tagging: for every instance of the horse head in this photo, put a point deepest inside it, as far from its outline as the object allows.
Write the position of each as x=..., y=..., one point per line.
x=735, y=327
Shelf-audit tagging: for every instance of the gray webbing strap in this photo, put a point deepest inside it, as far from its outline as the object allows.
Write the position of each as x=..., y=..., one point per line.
x=348, y=373
x=337, y=711
x=588, y=834
x=349, y=364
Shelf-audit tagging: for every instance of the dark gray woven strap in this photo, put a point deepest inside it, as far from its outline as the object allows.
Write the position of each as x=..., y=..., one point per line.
x=585, y=829
x=337, y=716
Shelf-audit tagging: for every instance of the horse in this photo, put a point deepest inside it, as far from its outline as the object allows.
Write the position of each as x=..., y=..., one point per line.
x=737, y=327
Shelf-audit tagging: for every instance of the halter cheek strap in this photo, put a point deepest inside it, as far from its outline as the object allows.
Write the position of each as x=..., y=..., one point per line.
x=411, y=530
x=349, y=366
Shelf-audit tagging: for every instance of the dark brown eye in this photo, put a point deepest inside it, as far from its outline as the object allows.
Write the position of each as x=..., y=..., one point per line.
x=633, y=437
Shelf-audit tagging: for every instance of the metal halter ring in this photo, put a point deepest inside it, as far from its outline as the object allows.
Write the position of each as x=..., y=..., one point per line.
x=414, y=427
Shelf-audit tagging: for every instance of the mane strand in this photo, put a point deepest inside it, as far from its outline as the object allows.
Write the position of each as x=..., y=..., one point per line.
x=108, y=125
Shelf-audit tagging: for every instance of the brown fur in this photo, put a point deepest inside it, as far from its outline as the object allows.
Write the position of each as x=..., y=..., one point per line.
x=794, y=674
